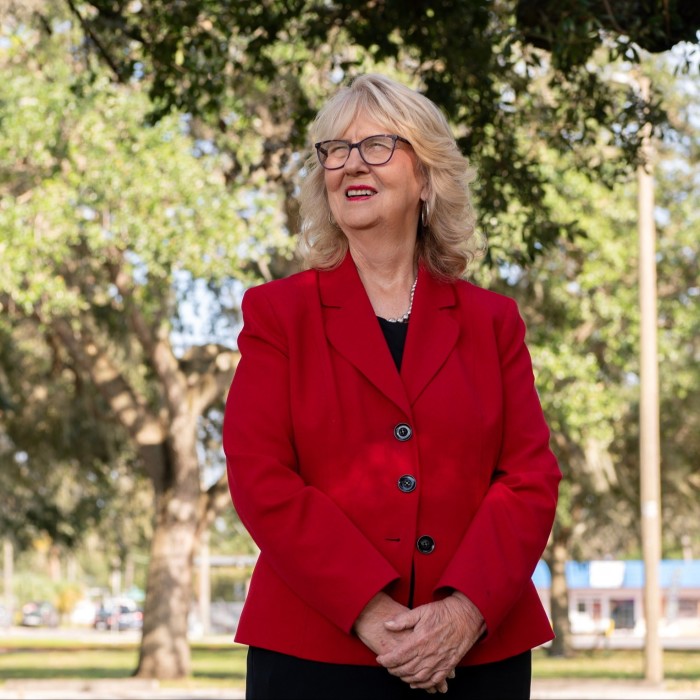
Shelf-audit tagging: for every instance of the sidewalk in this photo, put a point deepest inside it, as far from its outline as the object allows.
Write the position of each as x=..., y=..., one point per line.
x=606, y=690
x=108, y=689
x=137, y=689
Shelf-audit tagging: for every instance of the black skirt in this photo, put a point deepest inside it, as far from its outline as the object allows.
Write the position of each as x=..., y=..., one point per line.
x=275, y=676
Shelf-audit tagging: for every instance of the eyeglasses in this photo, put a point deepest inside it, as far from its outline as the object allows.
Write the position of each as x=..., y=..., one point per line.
x=374, y=150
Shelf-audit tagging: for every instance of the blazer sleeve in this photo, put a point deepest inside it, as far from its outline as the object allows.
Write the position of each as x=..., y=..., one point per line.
x=503, y=543
x=309, y=542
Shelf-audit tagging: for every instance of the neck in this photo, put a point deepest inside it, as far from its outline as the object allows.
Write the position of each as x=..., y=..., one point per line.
x=386, y=267
x=387, y=280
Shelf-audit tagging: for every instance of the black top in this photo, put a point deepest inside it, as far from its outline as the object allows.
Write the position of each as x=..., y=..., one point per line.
x=395, y=334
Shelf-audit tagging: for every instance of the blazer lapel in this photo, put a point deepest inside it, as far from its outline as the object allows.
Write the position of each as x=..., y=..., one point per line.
x=353, y=330
x=432, y=333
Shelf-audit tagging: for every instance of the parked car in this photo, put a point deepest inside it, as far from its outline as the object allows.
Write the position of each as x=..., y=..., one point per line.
x=39, y=614
x=119, y=615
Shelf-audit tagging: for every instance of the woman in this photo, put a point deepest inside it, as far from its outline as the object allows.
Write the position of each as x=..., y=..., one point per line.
x=385, y=444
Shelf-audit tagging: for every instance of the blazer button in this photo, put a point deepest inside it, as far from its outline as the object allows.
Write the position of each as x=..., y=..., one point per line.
x=403, y=432
x=425, y=544
x=407, y=483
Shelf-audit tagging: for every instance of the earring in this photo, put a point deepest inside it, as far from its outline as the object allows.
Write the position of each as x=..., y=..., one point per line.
x=425, y=213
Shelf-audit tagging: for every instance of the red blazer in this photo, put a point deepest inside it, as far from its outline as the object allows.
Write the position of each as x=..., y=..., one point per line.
x=319, y=430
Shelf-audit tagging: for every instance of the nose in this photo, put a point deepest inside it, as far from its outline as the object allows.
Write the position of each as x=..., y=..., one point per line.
x=354, y=163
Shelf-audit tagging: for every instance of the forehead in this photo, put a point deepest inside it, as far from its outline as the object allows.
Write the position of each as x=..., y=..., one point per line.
x=350, y=114
x=363, y=126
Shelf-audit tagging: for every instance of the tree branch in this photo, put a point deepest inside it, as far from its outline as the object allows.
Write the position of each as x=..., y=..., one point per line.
x=98, y=44
x=153, y=338
x=209, y=370
x=129, y=409
x=214, y=501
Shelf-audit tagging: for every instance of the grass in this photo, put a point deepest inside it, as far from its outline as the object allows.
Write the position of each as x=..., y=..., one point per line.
x=43, y=659
x=681, y=668
x=223, y=664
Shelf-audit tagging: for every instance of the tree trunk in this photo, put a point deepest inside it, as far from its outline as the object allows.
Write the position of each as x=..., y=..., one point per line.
x=167, y=445
x=165, y=650
x=555, y=556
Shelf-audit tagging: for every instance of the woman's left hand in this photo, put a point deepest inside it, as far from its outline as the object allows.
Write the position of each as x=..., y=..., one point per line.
x=441, y=634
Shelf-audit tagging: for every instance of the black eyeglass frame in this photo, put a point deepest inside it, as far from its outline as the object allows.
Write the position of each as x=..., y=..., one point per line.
x=394, y=138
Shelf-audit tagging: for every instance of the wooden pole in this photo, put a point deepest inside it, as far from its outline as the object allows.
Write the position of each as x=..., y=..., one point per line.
x=649, y=442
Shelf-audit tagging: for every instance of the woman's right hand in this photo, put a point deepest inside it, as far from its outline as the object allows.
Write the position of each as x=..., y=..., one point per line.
x=372, y=631
x=442, y=632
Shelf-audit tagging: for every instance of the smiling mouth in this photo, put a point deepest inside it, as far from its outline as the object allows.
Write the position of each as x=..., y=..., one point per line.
x=359, y=192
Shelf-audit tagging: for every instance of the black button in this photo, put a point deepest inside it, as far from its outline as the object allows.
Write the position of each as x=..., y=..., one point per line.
x=403, y=432
x=407, y=483
x=425, y=544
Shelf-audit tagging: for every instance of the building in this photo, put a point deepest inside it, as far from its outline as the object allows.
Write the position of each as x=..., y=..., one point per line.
x=608, y=596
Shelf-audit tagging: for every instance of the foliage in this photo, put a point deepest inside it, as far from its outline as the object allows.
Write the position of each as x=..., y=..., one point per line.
x=33, y=586
x=67, y=595
x=229, y=584
x=270, y=65
x=88, y=190
x=678, y=219
x=580, y=299
x=651, y=25
x=114, y=231
x=56, y=464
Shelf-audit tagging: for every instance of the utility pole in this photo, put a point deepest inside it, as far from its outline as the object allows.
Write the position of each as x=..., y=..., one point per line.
x=649, y=441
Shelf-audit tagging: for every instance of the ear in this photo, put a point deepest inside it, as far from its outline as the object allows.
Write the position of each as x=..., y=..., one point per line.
x=425, y=189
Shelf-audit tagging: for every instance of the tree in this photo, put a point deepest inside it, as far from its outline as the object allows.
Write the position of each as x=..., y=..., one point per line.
x=570, y=29
x=48, y=445
x=676, y=176
x=107, y=224
x=580, y=300
x=272, y=63
x=579, y=304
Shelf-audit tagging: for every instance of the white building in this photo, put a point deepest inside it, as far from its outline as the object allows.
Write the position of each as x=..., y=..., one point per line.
x=608, y=596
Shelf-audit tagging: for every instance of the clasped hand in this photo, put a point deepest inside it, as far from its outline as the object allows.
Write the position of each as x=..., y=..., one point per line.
x=420, y=646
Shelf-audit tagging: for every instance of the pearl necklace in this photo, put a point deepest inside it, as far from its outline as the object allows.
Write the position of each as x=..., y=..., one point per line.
x=407, y=315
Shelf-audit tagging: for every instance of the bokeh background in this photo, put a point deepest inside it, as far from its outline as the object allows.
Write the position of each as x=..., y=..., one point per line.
x=150, y=157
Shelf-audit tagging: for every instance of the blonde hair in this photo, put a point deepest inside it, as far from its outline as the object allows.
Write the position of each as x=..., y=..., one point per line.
x=447, y=245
